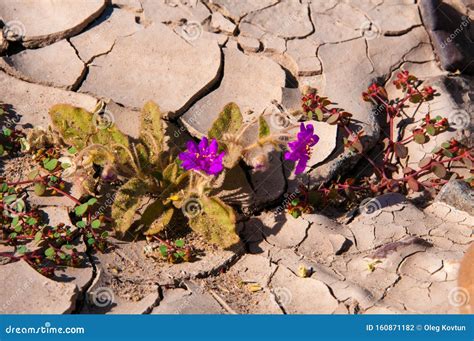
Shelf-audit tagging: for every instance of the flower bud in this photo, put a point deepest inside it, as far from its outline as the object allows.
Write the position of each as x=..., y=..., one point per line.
x=108, y=174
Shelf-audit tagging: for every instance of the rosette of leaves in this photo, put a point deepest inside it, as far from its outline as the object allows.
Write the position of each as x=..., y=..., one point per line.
x=155, y=189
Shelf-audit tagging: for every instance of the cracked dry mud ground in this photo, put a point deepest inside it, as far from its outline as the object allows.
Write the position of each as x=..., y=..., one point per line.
x=192, y=57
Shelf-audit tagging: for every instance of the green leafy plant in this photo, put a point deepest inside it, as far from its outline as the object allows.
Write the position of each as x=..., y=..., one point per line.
x=390, y=172
x=158, y=188
x=40, y=244
x=153, y=180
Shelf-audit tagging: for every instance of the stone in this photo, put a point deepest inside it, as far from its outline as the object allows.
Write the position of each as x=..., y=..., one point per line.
x=298, y=295
x=25, y=291
x=357, y=295
x=50, y=200
x=172, y=73
x=376, y=281
x=273, y=44
x=421, y=266
x=56, y=215
x=129, y=260
x=381, y=311
x=134, y=5
x=121, y=117
x=421, y=54
x=386, y=52
x=107, y=296
x=174, y=11
x=39, y=23
x=181, y=301
x=294, y=21
x=451, y=34
x=237, y=10
x=339, y=23
x=269, y=185
x=303, y=53
x=54, y=65
x=345, y=80
x=236, y=189
x=254, y=269
x=242, y=75
x=283, y=230
x=83, y=275
x=144, y=306
x=457, y=193
x=395, y=18
x=412, y=294
x=324, y=241
x=221, y=39
x=252, y=31
x=31, y=102
x=222, y=24
x=249, y=44
x=100, y=38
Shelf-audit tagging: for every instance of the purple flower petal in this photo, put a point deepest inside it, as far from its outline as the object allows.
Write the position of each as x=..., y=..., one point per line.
x=191, y=146
x=301, y=165
x=300, y=151
x=202, y=157
x=203, y=145
x=213, y=146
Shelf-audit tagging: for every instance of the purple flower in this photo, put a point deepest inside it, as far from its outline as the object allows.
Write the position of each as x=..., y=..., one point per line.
x=203, y=157
x=300, y=150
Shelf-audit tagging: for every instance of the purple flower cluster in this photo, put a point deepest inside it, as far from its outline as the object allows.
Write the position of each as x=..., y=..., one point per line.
x=300, y=149
x=203, y=157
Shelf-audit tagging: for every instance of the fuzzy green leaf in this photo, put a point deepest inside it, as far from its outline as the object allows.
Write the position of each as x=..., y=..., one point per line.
x=152, y=212
x=78, y=128
x=170, y=173
x=74, y=124
x=127, y=201
x=161, y=223
x=230, y=120
x=151, y=131
x=216, y=222
x=263, y=128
